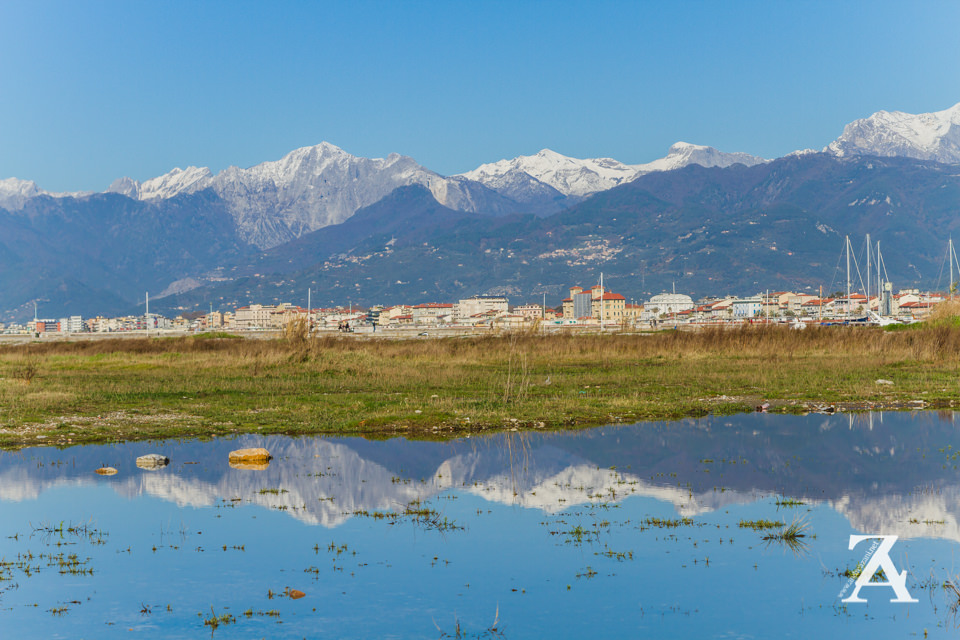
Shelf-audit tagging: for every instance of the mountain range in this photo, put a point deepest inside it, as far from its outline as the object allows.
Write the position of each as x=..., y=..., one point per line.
x=389, y=230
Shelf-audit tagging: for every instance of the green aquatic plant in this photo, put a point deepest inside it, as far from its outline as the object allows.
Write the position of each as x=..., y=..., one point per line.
x=760, y=525
x=666, y=523
x=789, y=502
x=215, y=621
x=792, y=537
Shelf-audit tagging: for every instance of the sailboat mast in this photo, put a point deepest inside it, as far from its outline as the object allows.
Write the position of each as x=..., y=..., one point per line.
x=879, y=282
x=867, y=292
x=950, y=260
x=848, y=273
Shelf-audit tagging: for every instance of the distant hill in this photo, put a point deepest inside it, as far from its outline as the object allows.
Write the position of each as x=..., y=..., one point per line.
x=101, y=253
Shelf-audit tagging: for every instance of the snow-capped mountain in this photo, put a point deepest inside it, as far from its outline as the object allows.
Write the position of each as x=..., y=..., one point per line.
x=521, y=177
x=15, y=192
x=925, y=136
x=569, y=176
x=682, y=154
x=313, y=187
x=309, y=188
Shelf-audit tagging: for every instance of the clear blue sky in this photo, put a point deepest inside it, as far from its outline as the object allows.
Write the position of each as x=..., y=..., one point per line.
x=93, y=90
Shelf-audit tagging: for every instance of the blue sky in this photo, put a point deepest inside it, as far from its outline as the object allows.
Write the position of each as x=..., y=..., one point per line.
x=95, y=90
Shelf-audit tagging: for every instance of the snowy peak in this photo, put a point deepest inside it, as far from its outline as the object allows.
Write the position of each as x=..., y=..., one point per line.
x=15, y=192
x=308, y=188
x=301, y=167
x=574, y=177
x=926, y=136
x=569, y=176
x=682, y=154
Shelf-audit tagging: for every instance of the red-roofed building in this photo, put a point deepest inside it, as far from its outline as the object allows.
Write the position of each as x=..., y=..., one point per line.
x=817, y=306
x=532, y=310
x=915, y=309
x=632, y=312
x=722, y=309
x=608, y=306
x=796, y=301
x=595, y=302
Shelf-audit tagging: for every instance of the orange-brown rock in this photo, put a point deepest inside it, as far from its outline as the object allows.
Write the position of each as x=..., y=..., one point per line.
x=296, y=594
x=107, y=471
x=257, y=455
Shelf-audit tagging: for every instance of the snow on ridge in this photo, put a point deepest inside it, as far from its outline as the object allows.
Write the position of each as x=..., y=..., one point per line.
x=576, y=177
x=682, y=154
x=176, y=182
x=926, y=136
x=15, y=192
x=569, y=176
x=307, y=189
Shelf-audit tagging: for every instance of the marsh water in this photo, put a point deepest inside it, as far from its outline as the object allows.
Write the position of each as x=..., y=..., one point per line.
x=620, y=531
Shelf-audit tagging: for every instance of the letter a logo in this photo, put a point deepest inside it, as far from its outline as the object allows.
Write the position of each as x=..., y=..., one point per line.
x=880, y=560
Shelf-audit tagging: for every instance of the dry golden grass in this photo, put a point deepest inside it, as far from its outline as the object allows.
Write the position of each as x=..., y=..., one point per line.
x=347, y=385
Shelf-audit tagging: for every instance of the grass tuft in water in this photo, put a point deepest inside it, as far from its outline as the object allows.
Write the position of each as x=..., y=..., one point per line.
x=792, y=537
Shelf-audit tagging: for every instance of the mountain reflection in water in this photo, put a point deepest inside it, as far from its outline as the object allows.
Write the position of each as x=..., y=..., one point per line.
x=648, y=530
x=894, y=473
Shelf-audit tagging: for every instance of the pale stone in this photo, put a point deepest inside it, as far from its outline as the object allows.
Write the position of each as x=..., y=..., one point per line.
x=152, y=461
x=107, y=471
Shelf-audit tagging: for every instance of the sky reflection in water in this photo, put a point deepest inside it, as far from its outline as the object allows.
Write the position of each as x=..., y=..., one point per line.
x=559, y=535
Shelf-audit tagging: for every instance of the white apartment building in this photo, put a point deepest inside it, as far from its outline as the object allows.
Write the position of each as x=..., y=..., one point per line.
x=479, y=304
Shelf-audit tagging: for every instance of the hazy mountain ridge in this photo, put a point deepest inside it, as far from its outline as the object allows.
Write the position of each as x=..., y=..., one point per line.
x=99, y=254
